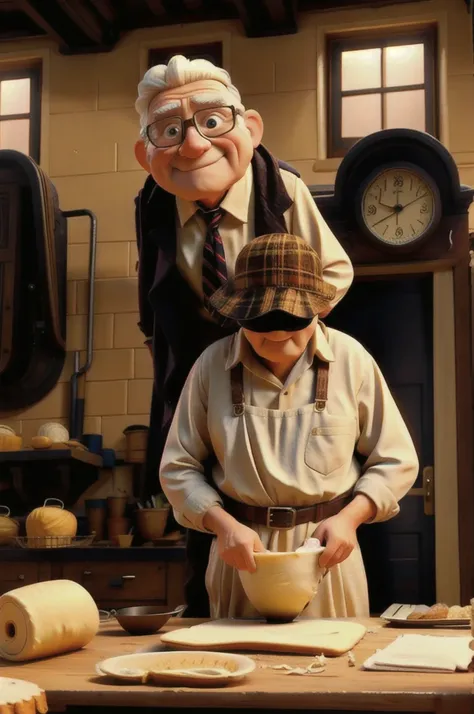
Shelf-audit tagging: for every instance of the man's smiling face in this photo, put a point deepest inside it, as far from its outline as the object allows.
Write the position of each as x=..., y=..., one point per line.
x=199, y=169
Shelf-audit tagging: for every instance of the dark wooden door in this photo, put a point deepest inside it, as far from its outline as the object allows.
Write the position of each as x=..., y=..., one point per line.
x=393, y=319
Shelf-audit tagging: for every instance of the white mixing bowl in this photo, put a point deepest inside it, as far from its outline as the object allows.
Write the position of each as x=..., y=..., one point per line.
x=283, y=584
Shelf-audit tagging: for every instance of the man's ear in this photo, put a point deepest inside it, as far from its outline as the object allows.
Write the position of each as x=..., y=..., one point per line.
x=254, y=123
x=140, y=155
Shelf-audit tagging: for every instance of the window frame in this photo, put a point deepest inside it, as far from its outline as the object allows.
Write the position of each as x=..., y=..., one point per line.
x=336, y=45
x=33, y=73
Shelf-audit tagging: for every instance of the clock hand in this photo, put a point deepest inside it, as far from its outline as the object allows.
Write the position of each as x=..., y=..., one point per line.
x=399, y=209
x=415, y=199
x=380, y=200
x=385, y=218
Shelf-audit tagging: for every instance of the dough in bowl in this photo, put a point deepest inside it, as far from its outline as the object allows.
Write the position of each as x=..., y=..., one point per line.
x=284, y=583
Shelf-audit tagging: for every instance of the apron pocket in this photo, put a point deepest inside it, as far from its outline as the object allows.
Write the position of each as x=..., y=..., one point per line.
x=330, y=445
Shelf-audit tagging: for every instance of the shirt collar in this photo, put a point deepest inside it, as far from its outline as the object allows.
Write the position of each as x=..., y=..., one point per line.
x=236, y=201
x=240, y=350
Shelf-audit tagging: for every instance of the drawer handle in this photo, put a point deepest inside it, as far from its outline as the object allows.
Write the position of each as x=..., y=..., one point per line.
x=128, y=577
x=21, y=577
x=87, y=572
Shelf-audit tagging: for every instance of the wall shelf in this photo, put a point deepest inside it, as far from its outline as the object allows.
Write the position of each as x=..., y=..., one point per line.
x=35, y=475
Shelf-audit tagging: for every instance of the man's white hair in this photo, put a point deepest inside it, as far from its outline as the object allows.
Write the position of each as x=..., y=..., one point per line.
x=178, y=72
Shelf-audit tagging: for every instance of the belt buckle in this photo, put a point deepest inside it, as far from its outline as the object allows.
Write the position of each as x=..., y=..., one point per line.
x=289, y=522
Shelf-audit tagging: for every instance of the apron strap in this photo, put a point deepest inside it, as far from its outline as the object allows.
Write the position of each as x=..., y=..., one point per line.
x=321, y=386
x=237, y=387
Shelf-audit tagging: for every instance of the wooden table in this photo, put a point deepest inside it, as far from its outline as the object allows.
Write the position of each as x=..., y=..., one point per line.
x=70, y=681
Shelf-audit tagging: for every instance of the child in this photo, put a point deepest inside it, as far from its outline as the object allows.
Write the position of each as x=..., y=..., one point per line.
x=283, y=406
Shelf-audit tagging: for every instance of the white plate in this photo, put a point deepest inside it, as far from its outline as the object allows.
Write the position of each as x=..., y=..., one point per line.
x=188, y=669
x=397, y=614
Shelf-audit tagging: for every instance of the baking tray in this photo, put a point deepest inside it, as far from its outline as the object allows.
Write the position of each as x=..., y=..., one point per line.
x=397, y=614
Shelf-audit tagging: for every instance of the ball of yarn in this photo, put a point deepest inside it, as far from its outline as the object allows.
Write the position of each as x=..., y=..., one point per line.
x=54, y=431
x=4, y=429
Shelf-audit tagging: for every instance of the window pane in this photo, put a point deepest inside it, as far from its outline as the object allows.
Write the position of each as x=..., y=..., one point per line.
x=361, y=69
x=15, y=134
x=405, y=110
x=361, y=115
x=15, y=96
x=404, y=65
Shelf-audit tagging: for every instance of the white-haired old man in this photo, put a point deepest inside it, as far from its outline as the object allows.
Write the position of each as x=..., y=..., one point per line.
x=212, y=187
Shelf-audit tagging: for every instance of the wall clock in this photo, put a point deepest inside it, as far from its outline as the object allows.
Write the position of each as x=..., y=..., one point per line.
x=398, y=205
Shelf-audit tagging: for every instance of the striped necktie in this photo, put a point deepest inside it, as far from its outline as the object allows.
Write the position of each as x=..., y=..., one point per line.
x=214, y=269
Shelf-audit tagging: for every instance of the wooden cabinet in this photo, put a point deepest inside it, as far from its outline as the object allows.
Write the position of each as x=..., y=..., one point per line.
x=112, y=581
x=15, y=575
x=128, y=583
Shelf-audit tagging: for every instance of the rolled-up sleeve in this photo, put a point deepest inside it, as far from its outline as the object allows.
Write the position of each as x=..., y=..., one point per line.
x=391, y=464
x=187, y=446
x=308, y=223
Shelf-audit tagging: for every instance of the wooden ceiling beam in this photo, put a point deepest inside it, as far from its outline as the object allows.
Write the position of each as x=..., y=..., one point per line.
x=192, y=5
x=267, y=18
x=156, y=7
x=329, y=5
x=106, y=9
x=82, y=16
x=35, y=16
x=282, y=12
x=243, y=13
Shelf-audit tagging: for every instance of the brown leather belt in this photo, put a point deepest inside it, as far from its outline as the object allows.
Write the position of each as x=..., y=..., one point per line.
x=286, y=517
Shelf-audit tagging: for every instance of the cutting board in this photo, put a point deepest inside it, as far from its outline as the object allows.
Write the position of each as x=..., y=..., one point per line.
x=306, y=636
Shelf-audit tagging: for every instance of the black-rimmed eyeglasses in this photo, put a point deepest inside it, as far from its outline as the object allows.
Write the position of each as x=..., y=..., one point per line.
x=210, y=123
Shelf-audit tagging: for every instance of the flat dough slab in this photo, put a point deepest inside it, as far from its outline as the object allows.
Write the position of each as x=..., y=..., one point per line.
x=306, y=636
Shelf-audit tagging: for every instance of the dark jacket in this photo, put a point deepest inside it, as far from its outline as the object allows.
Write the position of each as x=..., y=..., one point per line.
x=169, y=309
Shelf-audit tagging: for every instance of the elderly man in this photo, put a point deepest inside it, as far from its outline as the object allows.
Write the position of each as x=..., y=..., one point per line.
x=212, y=188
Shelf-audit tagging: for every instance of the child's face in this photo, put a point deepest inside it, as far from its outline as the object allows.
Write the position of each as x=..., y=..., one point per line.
x=280, y=346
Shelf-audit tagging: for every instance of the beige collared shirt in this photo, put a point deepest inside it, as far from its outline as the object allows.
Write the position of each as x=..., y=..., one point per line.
x=283, y=452
x=303, y=218
x=360, y=414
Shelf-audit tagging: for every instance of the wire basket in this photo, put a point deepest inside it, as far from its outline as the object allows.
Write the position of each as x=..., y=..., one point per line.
x=55, y=541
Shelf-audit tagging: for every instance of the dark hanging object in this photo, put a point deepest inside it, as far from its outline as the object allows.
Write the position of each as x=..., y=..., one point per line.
x=33, y=278
x=33, y=251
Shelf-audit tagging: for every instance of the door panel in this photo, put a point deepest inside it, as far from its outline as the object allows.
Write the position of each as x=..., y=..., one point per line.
x=393, y=319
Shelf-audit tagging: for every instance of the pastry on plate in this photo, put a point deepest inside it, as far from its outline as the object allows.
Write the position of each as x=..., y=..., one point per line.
x=439, y=611
x=457, y=612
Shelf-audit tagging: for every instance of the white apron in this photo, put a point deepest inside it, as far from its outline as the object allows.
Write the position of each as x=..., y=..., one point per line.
x=299, y=453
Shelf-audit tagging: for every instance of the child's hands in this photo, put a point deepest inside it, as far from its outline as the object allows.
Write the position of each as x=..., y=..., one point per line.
x=237, y=544
x=338, y=533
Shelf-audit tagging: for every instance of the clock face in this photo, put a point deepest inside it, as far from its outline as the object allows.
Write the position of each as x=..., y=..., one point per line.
x=400, y=205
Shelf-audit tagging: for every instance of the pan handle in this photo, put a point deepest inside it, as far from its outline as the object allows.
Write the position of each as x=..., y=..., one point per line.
x=107, y=615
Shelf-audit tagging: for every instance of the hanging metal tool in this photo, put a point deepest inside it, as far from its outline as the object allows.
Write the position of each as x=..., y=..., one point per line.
x=76, y=409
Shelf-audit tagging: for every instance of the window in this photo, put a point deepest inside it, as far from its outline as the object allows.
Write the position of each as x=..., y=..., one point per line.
x=211, y=51
x=379, y=83
x=20, y=111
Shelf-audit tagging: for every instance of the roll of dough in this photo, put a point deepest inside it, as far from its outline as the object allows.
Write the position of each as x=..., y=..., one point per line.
x=45, y=619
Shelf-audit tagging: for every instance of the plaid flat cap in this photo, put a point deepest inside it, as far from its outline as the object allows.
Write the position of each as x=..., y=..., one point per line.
x=275, y=272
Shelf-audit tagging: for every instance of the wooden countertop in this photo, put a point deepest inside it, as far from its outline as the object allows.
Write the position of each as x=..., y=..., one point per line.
x=70, y=680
